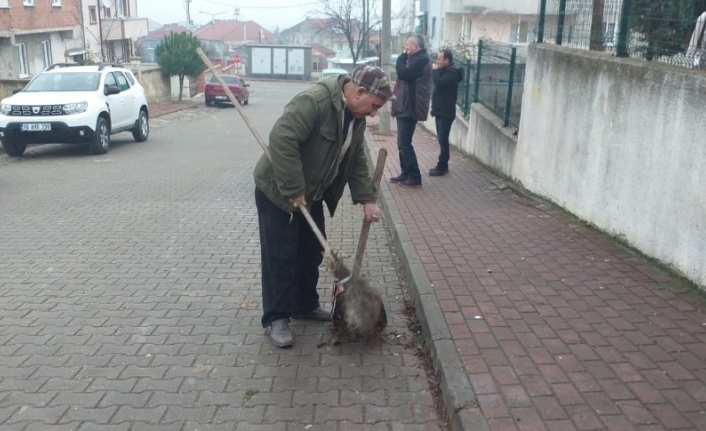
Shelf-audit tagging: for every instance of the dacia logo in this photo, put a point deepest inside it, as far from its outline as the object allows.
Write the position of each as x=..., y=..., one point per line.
x=35, y=109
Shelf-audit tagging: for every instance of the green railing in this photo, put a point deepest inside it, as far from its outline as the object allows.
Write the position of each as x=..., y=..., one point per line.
x=653, y=30
x=493, y=77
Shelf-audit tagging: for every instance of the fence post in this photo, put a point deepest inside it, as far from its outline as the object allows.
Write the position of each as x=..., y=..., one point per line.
x=476, y=85
x=624, y=30
x=510, y=85
x=542, y=20
x=467, y=88
x=560, y=25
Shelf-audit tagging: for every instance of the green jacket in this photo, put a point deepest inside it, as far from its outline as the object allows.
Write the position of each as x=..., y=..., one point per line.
x=304, y=144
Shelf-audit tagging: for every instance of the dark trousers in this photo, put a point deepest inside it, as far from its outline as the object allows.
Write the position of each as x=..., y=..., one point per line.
x=408, y=158
x=443, y=130
x=291, y=256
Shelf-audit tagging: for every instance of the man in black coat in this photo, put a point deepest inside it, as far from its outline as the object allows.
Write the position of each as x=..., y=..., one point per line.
x=412, y=105
x=446, y=77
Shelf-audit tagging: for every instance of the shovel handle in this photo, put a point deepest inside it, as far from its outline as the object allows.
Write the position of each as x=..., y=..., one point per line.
x=258, y=138
x=365, y=230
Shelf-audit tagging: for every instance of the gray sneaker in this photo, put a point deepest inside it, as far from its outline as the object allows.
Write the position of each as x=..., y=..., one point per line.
x=280, y=333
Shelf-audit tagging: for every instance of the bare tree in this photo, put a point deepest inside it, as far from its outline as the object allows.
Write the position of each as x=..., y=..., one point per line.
x=353, y=20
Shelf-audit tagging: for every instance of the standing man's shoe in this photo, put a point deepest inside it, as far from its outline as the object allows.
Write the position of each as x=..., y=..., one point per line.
x=280, y=333
x=398, y=179
x=438, y=172
x=410, y=183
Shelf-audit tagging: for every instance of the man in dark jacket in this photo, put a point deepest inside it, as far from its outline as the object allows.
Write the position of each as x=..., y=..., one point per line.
x=317, y=147
x=412, y=105
x=446, y=77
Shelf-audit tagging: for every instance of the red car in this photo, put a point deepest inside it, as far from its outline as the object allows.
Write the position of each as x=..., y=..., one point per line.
x=214, y=92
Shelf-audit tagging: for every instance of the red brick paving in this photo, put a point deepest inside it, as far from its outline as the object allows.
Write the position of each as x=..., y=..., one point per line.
x=575, y=332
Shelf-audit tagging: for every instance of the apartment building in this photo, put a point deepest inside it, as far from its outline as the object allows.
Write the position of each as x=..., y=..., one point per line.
x=37, y=33
x=111, y=29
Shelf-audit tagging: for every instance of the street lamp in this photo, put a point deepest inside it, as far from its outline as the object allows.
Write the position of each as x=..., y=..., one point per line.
x=212, y=14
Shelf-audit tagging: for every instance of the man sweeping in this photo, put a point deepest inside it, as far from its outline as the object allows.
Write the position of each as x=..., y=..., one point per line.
x=317, y=147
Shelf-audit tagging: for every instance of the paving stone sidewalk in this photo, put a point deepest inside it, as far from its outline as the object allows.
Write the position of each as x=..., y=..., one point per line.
x=557, y=326
x=130, y=297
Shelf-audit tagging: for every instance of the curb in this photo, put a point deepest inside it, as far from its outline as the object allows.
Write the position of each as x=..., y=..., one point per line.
x=459, y=397
x=177, y=108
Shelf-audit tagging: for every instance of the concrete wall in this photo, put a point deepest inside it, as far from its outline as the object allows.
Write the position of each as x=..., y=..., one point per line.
x=7, y=85
x=482, y=137
x=157, y=85
x=620, y=143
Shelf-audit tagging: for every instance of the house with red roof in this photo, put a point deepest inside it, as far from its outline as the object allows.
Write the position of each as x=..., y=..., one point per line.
x=233, y=33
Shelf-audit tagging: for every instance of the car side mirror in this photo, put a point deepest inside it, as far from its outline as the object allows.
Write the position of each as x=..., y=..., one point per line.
x=17, y=90
x=111, y=90
x=247, y=85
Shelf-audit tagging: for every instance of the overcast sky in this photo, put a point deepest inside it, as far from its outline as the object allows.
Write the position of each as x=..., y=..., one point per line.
x=268, y=13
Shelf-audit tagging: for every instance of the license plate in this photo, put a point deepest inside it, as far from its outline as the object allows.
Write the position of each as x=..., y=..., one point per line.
x=221, y=97
x=36, y=127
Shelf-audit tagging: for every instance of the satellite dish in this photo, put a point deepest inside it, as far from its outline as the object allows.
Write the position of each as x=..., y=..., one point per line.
x=105, y=3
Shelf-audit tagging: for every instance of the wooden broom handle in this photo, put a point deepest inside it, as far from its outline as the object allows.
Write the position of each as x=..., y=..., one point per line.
x=365, y=230
x=258, y=138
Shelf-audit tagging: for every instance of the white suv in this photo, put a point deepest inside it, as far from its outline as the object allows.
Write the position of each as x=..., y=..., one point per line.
x=69, y=103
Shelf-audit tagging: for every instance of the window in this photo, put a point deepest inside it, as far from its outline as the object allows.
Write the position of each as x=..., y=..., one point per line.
x=106, y=12
x=93, y=16
x=46, y=50
x=64, y=81
x=120, y=8
x=109, y=80
x=524, y=33
x=433, y=27
x=4, y=3
x=56, y=2
x=130, y=78
x=608, y=33
x=24, y=63
x=27, y=2
x=122, y=81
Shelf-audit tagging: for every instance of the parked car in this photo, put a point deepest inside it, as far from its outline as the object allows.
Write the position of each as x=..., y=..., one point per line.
x=69, y=103
x=214, y=91
x=331, y=72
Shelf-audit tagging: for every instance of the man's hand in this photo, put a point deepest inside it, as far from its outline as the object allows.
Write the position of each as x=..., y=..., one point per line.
x=435, y=66
x=298, y=202
x=371, y=212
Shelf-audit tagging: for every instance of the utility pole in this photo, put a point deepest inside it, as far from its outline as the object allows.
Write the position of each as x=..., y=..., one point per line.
x=385, y=46
x=188, y=12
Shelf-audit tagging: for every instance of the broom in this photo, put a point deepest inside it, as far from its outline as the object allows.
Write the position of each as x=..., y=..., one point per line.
x=362, y=304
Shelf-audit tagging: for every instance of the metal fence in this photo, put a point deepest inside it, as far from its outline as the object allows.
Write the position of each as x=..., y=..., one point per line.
x=653, y=30
x=494, y=77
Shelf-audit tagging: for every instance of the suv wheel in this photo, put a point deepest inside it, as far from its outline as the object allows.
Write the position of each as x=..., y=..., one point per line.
x=142, y=128
x=101, y=140
x=13, y=148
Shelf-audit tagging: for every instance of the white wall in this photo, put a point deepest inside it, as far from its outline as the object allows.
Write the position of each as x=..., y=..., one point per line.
x=620, y=143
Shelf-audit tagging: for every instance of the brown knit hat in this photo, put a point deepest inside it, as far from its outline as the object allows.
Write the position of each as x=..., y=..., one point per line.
x=374, y=80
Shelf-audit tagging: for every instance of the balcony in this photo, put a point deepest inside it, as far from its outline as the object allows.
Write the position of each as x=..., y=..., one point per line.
x=511, y=7
x=124, y=28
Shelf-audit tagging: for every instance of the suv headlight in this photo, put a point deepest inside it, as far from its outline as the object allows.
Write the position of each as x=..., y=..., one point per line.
x=74, y=108
x=5, y=109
